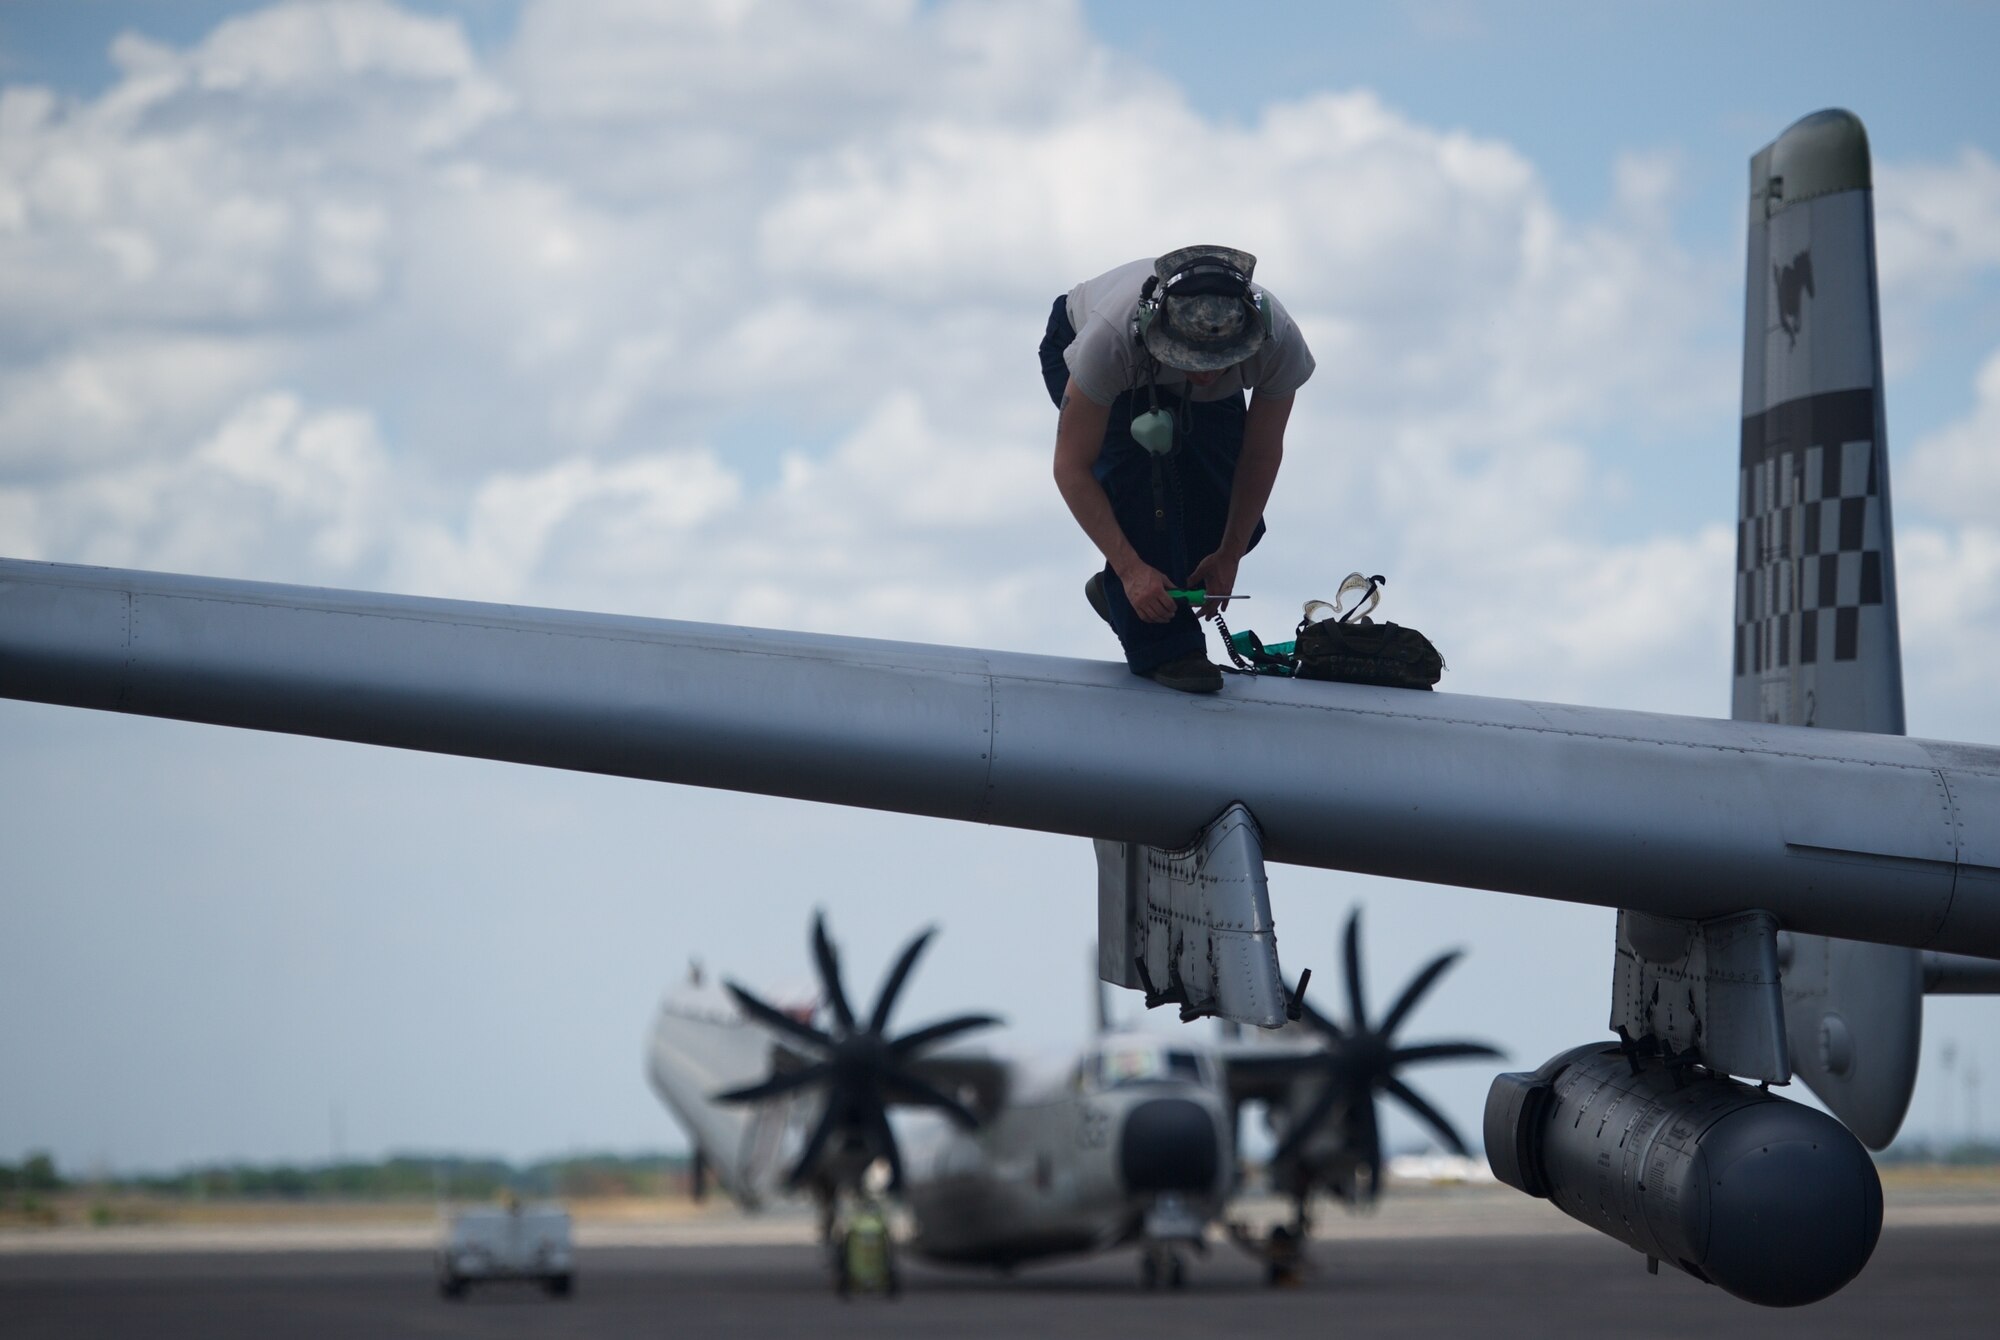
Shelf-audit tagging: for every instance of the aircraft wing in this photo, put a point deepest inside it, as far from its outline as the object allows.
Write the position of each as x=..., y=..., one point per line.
x=1863, y=836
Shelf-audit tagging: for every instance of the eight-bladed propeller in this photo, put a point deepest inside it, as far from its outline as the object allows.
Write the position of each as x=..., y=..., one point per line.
x=1357, y=1062
x=861, y=1069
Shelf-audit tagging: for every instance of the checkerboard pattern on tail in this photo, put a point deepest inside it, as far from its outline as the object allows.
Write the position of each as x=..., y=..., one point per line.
x=1810, y=542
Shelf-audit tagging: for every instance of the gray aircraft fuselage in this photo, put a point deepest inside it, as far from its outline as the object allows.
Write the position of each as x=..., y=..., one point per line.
x=1072, y=1166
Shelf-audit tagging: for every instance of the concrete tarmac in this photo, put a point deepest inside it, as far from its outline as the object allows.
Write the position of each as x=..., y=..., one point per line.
x=1937, y=1279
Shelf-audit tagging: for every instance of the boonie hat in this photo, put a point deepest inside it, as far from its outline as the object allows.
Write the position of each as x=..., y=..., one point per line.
x=1207, y=317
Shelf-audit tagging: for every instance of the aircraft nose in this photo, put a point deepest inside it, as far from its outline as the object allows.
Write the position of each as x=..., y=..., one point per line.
x=1168, y=1144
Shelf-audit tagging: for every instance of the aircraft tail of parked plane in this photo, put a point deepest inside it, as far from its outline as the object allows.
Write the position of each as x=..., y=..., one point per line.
x=701, y=1045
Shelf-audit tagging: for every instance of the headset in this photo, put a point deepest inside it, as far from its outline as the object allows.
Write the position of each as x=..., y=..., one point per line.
x=1203, y=277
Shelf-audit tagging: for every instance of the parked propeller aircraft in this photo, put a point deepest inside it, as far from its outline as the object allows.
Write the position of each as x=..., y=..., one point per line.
x=1789, y=882
x=1131, y=1141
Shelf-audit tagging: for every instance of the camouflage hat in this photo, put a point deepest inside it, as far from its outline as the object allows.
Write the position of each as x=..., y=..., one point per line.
x=1207, y=316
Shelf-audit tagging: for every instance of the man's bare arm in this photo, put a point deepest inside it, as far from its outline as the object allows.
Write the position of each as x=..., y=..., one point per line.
x=1079, y=437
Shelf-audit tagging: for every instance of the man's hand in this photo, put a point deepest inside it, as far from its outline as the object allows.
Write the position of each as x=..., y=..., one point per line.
x=1146, y=587
x=1216, y=575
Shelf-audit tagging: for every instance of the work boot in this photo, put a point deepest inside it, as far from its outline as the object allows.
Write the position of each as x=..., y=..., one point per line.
x=1093, y=591
x=1191, y=673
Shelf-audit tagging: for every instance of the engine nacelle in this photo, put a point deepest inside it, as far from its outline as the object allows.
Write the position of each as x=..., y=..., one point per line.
x=1776, y=1203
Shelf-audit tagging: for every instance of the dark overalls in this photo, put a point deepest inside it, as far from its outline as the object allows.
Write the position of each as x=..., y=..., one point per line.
x=1173, y=509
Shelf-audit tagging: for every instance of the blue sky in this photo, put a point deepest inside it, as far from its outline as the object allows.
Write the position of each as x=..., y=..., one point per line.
x=573, y=305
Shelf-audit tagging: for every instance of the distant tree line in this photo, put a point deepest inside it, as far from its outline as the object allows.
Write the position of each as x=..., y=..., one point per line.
x=1961, y=1153
x=401, y=1176
x=33, y=1175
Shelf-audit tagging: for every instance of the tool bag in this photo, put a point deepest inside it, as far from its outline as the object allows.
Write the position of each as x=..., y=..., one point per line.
x=1364, y=652
x=1350, y=648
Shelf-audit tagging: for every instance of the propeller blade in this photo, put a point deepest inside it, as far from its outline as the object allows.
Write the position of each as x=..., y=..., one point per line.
x=1368, y=1137
x=1357, y=1012
x=885, y=1140
x=910, y=1043
x=829, y=973
x=1428, y=1114
x=828, y=1120
x=1302, y=1130
x=907, y=1087
x=773, y=1017
x=777, y=1085
x=1414, y=992
x=1442, y=1051
x=1312, y=1016
x=892, y=985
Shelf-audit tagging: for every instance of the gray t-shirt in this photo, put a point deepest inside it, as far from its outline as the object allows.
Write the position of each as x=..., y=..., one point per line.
x=1106, y=361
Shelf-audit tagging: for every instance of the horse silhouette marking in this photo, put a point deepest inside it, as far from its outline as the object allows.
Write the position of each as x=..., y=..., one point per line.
x=1795, y=284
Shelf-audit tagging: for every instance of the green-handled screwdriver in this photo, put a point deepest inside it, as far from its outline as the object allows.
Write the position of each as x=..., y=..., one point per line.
x=1198, y=596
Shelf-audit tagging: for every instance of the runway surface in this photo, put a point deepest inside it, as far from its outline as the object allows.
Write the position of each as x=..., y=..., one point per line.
x=1939, y=1280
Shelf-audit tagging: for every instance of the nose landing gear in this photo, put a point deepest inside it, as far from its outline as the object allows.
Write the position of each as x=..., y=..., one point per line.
x=1282, y=1251
x=1160, y=1266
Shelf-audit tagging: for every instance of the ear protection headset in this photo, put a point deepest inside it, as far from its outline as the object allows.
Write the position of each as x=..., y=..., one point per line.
x=1202, y=277
x=1154, y=429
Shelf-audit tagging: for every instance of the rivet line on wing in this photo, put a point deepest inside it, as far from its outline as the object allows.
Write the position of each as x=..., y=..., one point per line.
x=131, y=637
x=992, y=746
x=1957, y=852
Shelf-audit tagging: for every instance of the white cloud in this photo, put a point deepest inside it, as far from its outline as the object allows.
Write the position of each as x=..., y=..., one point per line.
x=245, y=182
x=1955, y=472
x=575, y=526
x=900, y=465
x=1937, y=223
x=1948, y=588
x=301, y=48
x=790, y=71
x=274, y=484
x=1948, y=566
x=123, y=395
x=1937, y=227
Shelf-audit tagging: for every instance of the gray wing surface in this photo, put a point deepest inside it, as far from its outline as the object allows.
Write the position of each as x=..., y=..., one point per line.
x=1865, y=836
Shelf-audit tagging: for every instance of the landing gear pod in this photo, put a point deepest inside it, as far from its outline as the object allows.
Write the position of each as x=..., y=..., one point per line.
x=1773, y=1202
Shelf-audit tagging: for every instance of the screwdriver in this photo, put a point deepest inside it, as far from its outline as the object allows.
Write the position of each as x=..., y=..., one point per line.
x=1199, y=596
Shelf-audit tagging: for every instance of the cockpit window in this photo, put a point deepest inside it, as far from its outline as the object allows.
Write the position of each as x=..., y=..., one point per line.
x=1141, y=1064
x=1131, y=1065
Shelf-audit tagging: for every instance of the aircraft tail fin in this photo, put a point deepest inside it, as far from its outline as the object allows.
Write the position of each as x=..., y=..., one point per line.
x=1817, y=641
x=700, y=1044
